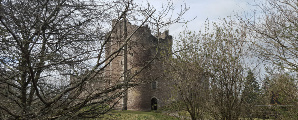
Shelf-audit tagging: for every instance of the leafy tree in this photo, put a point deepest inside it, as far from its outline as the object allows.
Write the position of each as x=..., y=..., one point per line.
x=251, y=94
x=251, y=89
x=285, y=89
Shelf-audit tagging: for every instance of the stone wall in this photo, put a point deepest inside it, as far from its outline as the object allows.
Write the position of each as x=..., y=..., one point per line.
x=143, y=47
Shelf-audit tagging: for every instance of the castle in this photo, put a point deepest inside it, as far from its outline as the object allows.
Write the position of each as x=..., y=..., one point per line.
x=143, y=56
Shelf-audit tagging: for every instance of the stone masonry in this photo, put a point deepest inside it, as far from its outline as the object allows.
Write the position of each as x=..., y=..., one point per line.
x=152, y=91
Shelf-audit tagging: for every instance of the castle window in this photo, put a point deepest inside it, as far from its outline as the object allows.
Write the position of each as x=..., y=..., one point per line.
x=118, y=44
x=154, y=84
x=121, y=62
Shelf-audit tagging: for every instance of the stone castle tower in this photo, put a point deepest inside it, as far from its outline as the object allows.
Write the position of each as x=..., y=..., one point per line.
x=144, y=55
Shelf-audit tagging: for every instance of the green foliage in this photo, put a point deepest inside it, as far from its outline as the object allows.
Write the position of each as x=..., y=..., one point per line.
x=173, y=107
x=285, y=86
x=136, y=115
x=93, y=110
x=250, y=96
x=252, y=89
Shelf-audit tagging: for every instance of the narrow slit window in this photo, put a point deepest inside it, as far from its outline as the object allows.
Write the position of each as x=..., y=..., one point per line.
x=154, y=85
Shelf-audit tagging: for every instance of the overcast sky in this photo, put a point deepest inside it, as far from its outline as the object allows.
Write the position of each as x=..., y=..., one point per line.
x=203, y=9
x=213, y=10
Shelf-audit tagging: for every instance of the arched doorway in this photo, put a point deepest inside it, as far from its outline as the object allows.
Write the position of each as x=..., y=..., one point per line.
x=153, y=104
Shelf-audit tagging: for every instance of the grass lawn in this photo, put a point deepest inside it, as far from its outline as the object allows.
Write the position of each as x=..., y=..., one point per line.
x=136, y=115
x=140, y=115
x=254, y=119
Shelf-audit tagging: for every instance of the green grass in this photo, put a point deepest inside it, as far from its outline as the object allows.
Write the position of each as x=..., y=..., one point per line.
x=254, y=119
x=140, y=115
x=136, y=115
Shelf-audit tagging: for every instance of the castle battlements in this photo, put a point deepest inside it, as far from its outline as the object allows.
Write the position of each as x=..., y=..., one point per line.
x=142, y=47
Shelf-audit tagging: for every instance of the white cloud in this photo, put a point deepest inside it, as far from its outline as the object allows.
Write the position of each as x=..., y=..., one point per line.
x=211, y=9
x=222, y=8
x=202, y=9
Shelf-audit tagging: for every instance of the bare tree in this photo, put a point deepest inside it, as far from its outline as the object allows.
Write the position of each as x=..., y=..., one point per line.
x=52, y=51
x=274, y=39
x=223, y=50
x=189, y=77
x=274, y=36
x=208, y=71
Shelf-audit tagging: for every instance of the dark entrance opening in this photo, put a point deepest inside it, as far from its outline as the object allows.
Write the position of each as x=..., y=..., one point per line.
x=153, y=104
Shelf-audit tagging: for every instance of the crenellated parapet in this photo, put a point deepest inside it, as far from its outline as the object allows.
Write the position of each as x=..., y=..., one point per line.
x=142, y=48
